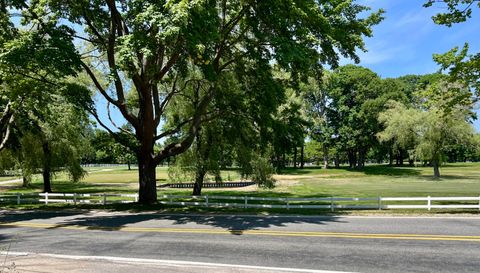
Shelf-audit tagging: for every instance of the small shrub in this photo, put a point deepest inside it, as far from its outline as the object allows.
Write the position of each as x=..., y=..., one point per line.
x=262, y=173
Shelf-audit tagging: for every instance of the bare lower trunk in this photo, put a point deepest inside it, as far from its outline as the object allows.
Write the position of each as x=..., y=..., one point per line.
x=361, y=159
x=302, y=156
x=197, y=187
x=325, y=156
x=25, y=181
x=46, y=172
x=352, y=159
x=147, y=180
x=295, y=158
x=47, y=186
x=390, y=157
x=337, y=161
x=401, y=155
x=436, y=169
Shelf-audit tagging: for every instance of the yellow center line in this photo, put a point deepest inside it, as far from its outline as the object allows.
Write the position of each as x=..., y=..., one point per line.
x=431, y=237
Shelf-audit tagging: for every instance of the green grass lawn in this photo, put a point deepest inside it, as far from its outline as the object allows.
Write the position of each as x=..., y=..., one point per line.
x=460, y=179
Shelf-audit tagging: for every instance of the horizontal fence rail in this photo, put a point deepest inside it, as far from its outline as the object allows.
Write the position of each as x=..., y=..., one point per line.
x=210, y=185
x=327, y=203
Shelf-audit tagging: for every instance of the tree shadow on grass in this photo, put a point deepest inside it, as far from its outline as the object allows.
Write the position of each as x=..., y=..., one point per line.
x=368, y=170
x=79, y=187
x=387, y=170
x=449, y=177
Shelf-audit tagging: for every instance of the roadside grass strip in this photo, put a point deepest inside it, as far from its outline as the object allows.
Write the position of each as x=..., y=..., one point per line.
x=425, y=237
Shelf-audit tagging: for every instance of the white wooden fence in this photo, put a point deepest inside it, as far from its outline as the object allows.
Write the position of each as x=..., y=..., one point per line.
x=327, y=203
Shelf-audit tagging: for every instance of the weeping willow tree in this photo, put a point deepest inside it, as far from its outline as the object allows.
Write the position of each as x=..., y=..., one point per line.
x=428, y=130
x=49, y=142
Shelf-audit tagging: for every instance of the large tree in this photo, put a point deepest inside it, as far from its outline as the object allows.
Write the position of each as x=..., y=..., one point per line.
x=429, y=133
x=432, y=127
x=148, y=46
x=314, y=92
x=353, y=110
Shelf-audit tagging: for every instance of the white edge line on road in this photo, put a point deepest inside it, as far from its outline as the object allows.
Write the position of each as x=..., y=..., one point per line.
x=168, y=262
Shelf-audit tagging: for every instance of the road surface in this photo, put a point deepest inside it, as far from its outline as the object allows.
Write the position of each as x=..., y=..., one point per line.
x=122, y=242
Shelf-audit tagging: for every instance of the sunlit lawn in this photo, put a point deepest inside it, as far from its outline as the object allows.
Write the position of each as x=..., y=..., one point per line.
x=7, y=178
x=461, y=179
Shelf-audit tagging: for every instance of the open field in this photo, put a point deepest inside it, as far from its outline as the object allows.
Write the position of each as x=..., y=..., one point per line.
x=461, y=179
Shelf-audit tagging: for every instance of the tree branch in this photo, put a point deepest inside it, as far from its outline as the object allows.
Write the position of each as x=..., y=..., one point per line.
x=7, y=133
x=113, y=122
x=181, y=146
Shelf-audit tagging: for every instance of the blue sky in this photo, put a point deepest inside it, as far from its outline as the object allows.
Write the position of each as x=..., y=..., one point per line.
x=404, y=42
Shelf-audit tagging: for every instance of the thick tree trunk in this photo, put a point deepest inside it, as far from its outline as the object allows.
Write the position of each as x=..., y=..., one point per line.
x=337, y=160
x=436, y=169
x=25, y=181
x=128, y=164
x=47, y=171
x=146, y=154
x=199, y=177
x=147, y=179
x=352, y=159
x=302, y=156
x=325, y=156
x=361, y=159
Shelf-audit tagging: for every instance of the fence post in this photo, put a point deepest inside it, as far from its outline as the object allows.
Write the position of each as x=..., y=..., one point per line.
x=136, y=197
x=18, y=198
x=429, y=203
x=332, y=207
x=479, y=203
x=246, y=202
x=206, y=201
x=104, y=199
x=46, y=198
x=379, y=203
x=75, y=199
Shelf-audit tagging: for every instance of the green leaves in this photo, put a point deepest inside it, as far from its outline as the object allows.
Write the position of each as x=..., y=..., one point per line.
x=41, y=53
x=431, y=128
x=462, y=66
x=457, y=11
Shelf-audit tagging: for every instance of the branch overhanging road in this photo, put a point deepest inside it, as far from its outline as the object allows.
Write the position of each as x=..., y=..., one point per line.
x=266, y=244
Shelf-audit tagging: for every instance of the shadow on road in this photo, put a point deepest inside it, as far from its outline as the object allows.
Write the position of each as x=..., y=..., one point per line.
x=16, y=216
x=235, y=224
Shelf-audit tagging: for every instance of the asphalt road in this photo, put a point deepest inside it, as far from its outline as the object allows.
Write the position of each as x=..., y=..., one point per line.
x=267, y=244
